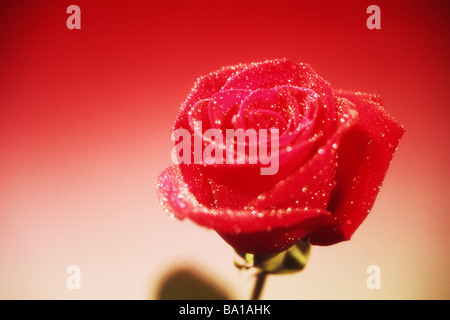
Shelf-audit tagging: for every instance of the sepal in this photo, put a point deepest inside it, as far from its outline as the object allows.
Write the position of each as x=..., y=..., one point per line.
x=289, y=261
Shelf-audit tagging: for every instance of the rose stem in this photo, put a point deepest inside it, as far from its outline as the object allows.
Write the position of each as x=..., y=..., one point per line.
x=259, y=285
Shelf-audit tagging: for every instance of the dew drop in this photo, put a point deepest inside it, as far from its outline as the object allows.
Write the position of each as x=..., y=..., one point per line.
x=235, y=120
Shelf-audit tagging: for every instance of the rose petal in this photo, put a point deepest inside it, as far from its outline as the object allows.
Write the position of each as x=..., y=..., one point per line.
x=278, y=72
x=204, y=88
x=365, y=153
x=311, y=184
x=223, y=106
x=176, y=197
x=277, y=239
x=275, y=72
x=296, y=184
x=319, y=117
x=199, y=112
x=270, y=104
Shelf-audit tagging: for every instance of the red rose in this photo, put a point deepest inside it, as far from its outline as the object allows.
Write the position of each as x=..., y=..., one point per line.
x=333, y=151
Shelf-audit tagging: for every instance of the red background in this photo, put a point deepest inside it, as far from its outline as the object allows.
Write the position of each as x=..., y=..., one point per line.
x=85, y=123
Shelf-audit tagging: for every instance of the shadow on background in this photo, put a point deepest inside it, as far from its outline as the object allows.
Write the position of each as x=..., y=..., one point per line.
x=189, y=283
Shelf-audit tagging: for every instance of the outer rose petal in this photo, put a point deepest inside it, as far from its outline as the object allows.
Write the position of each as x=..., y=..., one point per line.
x=263, y=231
x=278, y=72
x=204, y=87
x=364, y=157
x=278, y=239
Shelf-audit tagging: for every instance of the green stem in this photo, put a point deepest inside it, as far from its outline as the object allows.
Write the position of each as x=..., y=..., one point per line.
x=259, y=285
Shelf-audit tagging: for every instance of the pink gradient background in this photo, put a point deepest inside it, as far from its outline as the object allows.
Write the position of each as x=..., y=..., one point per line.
x=85, y=123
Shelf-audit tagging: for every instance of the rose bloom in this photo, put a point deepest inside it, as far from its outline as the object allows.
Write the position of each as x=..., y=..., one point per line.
x=334, y=150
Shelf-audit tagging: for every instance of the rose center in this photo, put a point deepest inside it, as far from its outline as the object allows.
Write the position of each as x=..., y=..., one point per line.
x=266, y=119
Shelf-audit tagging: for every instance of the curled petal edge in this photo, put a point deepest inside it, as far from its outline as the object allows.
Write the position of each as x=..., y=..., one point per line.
x=176, y=198
x=365, y=154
